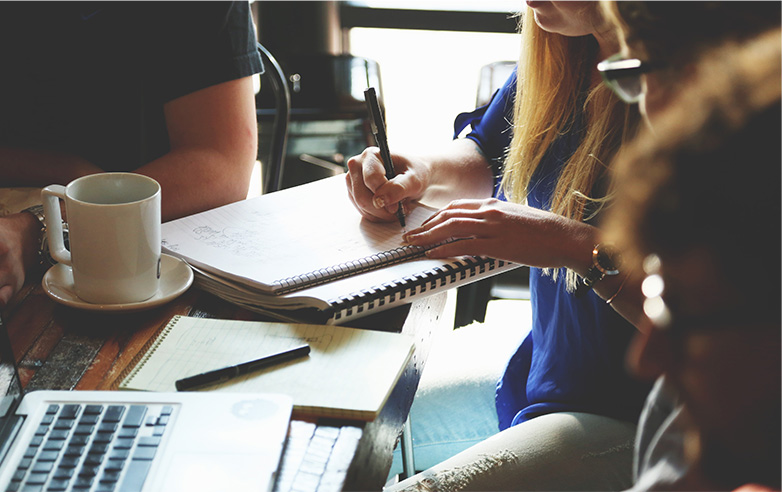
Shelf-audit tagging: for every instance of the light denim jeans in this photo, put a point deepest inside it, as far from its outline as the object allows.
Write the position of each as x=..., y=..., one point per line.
x=454, y=407
x=559, y=451
x=455, y=428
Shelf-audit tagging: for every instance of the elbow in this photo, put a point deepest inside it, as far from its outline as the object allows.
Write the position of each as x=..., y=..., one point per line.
x=235, y=173
x=242, y=163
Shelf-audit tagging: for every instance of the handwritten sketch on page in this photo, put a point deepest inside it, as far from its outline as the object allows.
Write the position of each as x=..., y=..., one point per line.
x=243, y=239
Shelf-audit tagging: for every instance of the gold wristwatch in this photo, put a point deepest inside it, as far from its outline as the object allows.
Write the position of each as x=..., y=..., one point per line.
x=606, y=260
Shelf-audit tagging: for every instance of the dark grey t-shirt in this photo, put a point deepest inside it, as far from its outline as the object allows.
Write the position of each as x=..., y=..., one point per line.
x=91, y=78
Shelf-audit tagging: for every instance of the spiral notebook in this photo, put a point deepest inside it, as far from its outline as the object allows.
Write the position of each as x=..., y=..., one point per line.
x=349, y=372
x=305, y=254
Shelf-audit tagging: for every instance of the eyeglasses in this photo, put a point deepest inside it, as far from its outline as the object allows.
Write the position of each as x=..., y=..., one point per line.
x=623, y=76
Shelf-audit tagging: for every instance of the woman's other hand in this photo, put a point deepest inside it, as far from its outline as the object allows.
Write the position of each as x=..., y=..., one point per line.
x=506, y=231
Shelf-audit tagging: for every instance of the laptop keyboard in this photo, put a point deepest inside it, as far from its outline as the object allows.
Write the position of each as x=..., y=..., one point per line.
x=92, y=447
x=316, y=458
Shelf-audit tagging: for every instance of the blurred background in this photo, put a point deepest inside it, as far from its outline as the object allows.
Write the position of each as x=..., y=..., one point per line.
x=428, y=59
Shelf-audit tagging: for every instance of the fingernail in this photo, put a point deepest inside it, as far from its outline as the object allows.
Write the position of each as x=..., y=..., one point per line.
x=378, y=202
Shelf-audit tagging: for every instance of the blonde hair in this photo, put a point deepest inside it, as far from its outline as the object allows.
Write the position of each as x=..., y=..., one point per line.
x=554, y=76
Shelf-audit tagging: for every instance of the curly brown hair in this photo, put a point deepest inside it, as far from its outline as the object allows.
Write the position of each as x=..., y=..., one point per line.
x=709, y=174
x=676, y=33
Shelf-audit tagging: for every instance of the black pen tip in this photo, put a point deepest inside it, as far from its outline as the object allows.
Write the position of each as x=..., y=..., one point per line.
x=401, y=217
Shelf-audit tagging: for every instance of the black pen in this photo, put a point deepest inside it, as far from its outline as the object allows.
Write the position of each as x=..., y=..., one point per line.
x=230, y=372
x=379, y=131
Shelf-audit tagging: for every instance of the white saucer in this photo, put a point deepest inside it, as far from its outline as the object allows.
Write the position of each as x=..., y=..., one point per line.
x=176, y=276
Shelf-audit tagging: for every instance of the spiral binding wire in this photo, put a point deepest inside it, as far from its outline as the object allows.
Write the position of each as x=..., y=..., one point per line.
x=145, y=353
x=348, y=269
x=396, y=291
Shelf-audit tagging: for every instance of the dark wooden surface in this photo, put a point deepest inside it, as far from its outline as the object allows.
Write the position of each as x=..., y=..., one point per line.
x=67, y=349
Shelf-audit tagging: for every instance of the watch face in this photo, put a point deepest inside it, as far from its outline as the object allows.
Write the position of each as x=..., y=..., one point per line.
x=607, y=259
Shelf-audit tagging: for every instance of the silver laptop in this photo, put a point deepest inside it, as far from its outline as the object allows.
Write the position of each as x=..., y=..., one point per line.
x=136, y=441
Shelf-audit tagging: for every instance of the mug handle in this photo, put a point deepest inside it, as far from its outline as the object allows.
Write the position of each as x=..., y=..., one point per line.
x=51, y=196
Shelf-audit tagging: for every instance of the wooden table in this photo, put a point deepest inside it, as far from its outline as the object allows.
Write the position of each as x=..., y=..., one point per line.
x=63, y=348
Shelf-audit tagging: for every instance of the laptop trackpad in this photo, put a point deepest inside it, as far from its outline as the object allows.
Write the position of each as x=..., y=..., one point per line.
x=197, y=472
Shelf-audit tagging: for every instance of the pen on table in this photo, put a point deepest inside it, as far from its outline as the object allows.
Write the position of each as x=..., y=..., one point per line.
x=230, y=372
x=379, y=131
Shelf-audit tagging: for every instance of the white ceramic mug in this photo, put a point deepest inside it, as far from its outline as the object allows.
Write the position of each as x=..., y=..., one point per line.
x=114, y=235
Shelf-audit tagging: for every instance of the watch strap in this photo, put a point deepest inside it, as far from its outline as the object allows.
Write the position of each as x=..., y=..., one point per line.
x=37, y=211
x=45, y=260
x=593, y=276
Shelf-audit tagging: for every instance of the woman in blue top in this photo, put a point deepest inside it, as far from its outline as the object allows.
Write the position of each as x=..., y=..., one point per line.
x=565, y=402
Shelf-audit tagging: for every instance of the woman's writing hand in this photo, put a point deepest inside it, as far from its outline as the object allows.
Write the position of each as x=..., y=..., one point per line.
x=375, y=196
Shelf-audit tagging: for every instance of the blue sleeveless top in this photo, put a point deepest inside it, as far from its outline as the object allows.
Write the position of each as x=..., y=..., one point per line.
x=573, y=358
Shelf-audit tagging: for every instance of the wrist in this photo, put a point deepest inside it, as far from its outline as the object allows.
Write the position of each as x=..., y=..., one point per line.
x=23, y=231
x=580, y=241
x=36, y=245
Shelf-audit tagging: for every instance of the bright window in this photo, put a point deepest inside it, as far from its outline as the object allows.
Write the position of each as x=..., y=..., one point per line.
x=428, y=77
x=463, y=5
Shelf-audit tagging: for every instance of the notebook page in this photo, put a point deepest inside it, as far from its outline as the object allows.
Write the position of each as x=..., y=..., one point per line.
x=284, y=234
x=349, y=372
